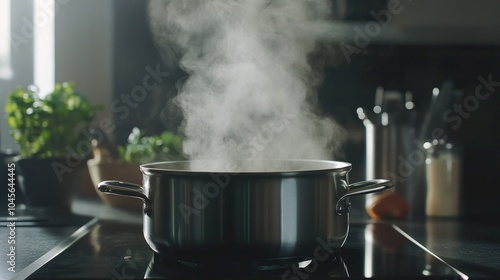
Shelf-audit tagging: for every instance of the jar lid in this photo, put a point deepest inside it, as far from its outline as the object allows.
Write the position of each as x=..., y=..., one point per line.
x=441, y=145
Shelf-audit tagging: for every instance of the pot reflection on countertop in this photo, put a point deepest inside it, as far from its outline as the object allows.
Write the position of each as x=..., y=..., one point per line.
x=162, y=268
x=117, y=250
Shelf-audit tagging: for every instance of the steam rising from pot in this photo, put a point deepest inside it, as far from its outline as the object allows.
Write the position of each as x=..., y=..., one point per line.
x=250, y=91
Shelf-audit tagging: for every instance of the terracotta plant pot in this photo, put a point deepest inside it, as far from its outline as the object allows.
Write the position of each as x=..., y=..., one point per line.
x=124, y=171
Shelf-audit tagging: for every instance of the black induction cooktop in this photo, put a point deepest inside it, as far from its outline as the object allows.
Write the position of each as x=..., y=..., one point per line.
x=107, y=249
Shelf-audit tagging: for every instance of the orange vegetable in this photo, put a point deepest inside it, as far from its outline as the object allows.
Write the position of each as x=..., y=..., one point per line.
x=388, y=205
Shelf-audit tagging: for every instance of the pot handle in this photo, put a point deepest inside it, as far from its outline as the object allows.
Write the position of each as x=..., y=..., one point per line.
x=364, y=187
x=125, y=189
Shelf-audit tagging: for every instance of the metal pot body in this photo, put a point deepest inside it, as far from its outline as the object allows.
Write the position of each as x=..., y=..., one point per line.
x=281, y=215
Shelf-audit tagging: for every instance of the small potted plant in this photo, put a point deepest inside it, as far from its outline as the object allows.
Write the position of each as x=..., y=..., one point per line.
x=51, y=132
x=140, y=148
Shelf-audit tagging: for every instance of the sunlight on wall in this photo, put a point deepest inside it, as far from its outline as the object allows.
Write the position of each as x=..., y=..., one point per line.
x=44, y=64
x=5, y=66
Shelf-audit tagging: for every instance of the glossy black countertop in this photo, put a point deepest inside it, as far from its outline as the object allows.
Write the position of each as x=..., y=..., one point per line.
x=474, y=249
x=111, y=246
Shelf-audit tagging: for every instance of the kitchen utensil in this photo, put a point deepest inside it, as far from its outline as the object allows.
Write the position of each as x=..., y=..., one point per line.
x=441, y=100
x=385, y=146
x=393, y=152
x=273, y=210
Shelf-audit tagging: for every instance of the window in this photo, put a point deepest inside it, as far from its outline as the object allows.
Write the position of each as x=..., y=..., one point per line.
x=5, y=29
x=26, y=51
x=44, y=63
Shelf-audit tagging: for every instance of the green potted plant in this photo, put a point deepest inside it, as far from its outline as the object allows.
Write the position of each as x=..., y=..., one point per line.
x=52, y=139
x=140, y=148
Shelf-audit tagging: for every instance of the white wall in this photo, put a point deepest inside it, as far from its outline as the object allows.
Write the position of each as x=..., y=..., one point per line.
x=83, y=53
x=21, y=62
x=83, y=43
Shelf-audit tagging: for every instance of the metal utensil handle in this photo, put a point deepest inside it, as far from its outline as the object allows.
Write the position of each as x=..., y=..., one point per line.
x=125, y=189
x=364, y=187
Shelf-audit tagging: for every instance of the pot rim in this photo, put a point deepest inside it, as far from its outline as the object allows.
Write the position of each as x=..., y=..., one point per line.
x=309, y=166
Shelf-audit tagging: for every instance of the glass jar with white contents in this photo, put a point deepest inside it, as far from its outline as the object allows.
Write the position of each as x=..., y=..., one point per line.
x=444, y=179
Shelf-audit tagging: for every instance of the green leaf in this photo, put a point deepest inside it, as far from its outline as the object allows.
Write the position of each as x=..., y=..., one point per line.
x=45, y=127
x=141, y=148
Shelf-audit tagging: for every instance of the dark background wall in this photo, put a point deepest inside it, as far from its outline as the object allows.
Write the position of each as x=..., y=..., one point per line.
x=405, y=66
x=420, y=69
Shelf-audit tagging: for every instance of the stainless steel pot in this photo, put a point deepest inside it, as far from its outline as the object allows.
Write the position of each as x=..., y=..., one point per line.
x=270, y=210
